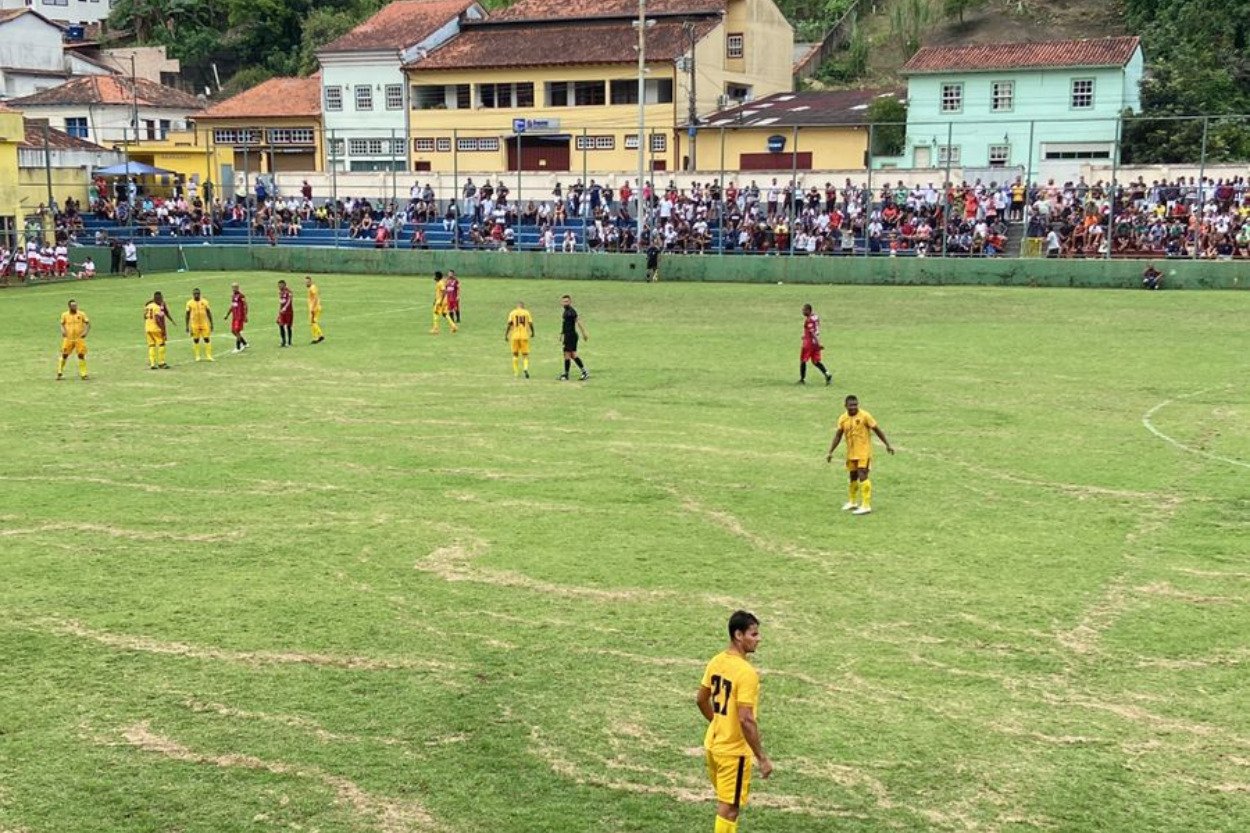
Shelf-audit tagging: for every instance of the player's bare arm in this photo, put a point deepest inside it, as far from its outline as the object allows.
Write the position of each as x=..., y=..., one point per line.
x=507, y=330
x=186, y=324
x=704, y=700
x=881, y=435
x=581, y=328
x=837, y=439
x=751, y=731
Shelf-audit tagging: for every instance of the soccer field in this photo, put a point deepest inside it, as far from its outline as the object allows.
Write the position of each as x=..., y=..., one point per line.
x=378, y=584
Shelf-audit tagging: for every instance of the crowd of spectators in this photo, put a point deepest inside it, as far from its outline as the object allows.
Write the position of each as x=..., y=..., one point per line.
x=1181, y=218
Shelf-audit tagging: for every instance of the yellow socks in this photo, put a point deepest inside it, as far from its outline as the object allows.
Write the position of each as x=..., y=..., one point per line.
x=452, y=324
x=195, y=348
x=160, y=354
x=208, y=349
x=866, y=491
x=852, y=491
x=82, y=368
x=726, y=826
x=516, y=366
x=434, y=326
x=60, y=365
x=316, y=330
x=152, y=357
x=525, y=364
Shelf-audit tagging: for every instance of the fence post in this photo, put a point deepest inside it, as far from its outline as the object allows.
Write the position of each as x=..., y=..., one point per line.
x=1202, y=173
x=1028, y=189
x=791, y=213
x=334, y=187
x=455, y=187
x=721, y=180
x=395, y=176
x=247, y=189
x=517, y=202
x=1115, y=162
x=946, y=187
x=868, y=188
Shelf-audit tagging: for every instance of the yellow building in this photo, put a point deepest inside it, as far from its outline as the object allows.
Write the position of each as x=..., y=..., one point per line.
x=12, y=133
x=190, y=154
x=790, y=131
x=552, y=85
x=272, y=128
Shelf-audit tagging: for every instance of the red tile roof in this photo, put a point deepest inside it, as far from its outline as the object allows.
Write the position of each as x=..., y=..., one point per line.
x=5, y=108
x=1094, y=52
x=112, y=89
x=588, y=9
x=840, y=107
x=277, y=97
x=562, y=44
x=57, y=139
x=399, y=25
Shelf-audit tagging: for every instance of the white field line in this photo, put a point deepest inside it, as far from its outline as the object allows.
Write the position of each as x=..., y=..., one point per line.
x=1149, y=426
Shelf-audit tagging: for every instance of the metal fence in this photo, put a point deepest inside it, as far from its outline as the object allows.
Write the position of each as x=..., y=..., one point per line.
x=749, y=182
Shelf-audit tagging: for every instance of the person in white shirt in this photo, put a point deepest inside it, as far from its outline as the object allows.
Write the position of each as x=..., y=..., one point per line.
x=130, y=257
x=87, y=271
x=549, y=240
x=570, y=242
x=61, y=257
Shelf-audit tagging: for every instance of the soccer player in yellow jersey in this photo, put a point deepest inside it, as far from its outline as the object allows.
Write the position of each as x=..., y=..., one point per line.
x=74, y=328
x=440, y=303
x=155, y=314
x=199, y=325
x=855, y=425
x=314, y=310
x=729, y=699
x=518, y=333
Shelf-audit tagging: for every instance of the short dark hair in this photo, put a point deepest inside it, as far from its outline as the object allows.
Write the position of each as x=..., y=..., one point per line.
x=851, y=396
x=741, y=621
x=570, y=297
x=438, y=276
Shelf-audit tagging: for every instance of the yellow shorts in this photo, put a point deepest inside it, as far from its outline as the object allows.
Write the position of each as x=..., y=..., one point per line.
x=201, y=332
x=440, y=309
x=73, y=345
x=314, y=316
x=155, y=338
x=520, y=346
x=853, y=463
x=731, y=777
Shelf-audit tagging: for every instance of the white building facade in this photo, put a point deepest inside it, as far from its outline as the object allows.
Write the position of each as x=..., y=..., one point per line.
x=69, y=12
x=33, y=56
x=364, y=95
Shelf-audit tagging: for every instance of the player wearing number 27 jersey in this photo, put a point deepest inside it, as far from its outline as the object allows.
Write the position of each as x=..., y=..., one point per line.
x=729, y=700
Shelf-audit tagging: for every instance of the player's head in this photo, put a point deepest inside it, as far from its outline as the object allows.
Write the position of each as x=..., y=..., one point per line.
x=438, y=276
x=235, y=286
x=852, y=404
x=281, y=284
x=195, y=293
x=520, y=305
x=451, y=273
x=744, y=631
x=565, y=300
x=308, y=280
x=73, y=305
x=807, y=309
x=158, y=298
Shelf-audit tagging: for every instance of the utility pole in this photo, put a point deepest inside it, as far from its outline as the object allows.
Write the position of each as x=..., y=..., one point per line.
x=688, y=27
x=642, y=110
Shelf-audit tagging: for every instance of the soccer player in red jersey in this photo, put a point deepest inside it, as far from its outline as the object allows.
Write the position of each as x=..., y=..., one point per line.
x=452, y=292
x=811, y=346
x=238, y=317
x=286, y=313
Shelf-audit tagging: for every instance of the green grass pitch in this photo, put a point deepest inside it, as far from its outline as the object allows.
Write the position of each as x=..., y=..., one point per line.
x=380, y=585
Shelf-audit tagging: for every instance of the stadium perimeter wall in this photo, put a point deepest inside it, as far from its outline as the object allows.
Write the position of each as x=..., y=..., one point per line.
x=932, y=271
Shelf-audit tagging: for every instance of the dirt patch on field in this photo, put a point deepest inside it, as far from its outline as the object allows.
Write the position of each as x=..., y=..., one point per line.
x=1083, y=639
x=1212, y=573
x=730, y=523
x=147, y=645
x=1167, y=590
x=385, y=814
x=120, y=532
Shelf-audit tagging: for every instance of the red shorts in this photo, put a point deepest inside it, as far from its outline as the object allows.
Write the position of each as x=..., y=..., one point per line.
x=236, y=326
x=287, y=318
x=453, y=302
x=810, y=352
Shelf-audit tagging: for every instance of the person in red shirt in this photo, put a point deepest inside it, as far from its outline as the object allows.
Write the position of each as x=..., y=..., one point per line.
x=811, y=346
x=452, y=293
x=238, y=317
x=286, y=314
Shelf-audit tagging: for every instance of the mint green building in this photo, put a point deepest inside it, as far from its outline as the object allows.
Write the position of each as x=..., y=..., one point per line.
x=1038, y=110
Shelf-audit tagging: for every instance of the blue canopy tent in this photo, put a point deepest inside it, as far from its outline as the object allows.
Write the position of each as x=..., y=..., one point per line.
x=133, y=169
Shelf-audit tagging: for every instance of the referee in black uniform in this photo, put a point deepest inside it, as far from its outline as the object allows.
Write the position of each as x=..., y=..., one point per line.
x=568, y=335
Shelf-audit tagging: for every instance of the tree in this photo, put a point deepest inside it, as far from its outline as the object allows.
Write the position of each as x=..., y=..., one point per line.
x=908, y=21
x=957, y=8
x=888, y=116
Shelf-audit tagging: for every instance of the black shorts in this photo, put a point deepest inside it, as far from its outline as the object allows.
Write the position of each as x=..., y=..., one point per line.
x=570, y=343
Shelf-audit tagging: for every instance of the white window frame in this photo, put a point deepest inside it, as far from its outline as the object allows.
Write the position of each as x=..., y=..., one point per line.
x=1002, y=96
x=364, y=97
x=998, y=156
x=1082, y=99
x=735, y=45
x=595, y=143
x=291, y=136
x=358, y=147
x=394, y=96
x=423, y=144
x=948, y=155
x=658, y=143
x=631, y=141
x=951, y=97
x=442, y=145
x=334, y=99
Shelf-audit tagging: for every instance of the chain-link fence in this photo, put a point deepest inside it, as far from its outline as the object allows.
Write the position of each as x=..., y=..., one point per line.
x=754, y=182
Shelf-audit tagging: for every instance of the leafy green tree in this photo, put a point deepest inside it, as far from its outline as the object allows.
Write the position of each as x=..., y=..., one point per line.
x=908, y=21
x=888, y=116
x=956, y=9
